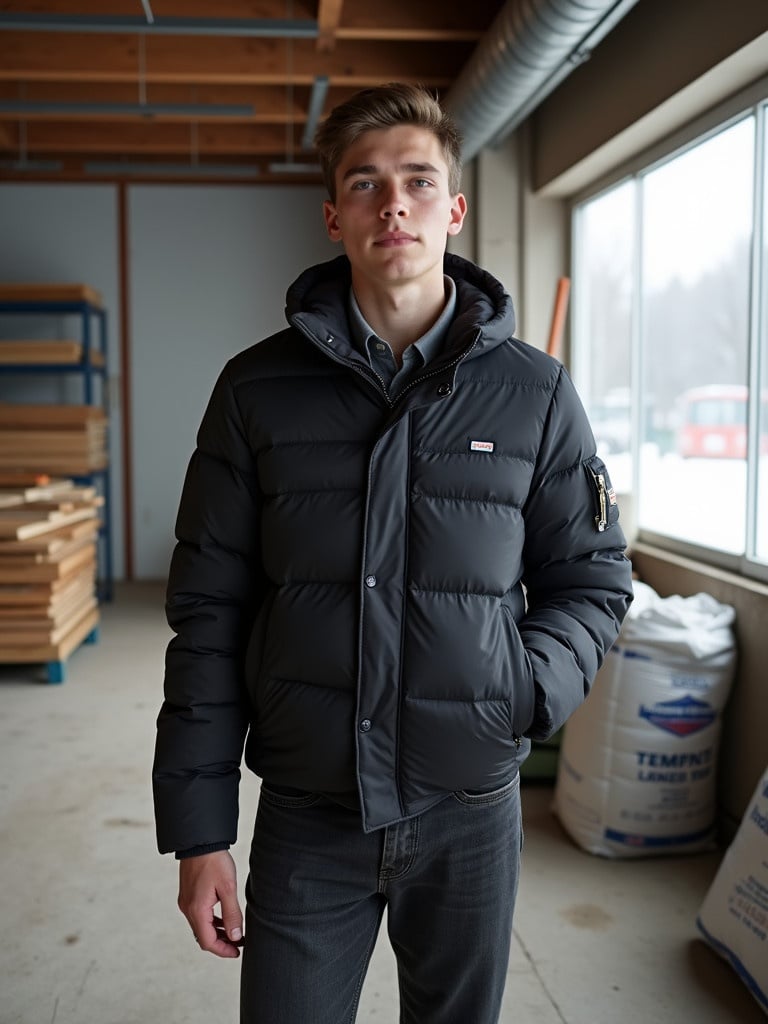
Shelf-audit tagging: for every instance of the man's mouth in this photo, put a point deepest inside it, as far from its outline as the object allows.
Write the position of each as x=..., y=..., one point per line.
x=393, y=239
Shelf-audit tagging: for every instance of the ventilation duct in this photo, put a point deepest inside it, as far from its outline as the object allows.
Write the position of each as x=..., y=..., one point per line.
x=529, y=49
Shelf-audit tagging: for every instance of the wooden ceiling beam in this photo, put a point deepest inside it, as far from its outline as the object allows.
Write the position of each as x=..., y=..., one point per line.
x=267, y=100
x=49, y=57
x=328, y=18
x=146, y=139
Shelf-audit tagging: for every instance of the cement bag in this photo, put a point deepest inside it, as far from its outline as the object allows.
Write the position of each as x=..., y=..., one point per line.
x=636, y=774
x=734, y=915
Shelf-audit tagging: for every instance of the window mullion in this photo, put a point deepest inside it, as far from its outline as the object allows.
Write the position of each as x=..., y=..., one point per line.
x=636, y=346
x=755, y=336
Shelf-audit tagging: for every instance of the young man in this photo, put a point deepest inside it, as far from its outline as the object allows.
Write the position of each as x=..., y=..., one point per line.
x=398, y=561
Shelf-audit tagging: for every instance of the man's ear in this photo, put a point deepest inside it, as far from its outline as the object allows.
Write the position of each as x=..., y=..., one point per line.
x=331, y=221
x=458, y=213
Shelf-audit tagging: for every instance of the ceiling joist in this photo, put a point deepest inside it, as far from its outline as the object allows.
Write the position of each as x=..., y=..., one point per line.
x=328, y=18
x=224, y=81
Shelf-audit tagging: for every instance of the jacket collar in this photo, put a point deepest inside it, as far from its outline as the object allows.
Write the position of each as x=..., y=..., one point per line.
x=318, y=299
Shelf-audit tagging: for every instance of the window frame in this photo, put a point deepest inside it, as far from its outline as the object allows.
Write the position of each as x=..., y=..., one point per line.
x=751, y=101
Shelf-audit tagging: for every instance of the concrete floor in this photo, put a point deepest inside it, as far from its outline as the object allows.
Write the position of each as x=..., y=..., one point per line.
x=91, y=935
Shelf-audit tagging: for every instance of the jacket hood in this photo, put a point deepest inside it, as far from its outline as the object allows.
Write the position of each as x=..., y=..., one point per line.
x=482, y=302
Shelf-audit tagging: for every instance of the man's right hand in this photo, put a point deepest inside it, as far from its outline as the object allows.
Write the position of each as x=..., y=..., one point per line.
x=204, y=882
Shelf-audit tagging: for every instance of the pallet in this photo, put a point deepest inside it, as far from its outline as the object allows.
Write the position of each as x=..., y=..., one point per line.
x=48, y=601
x=55, y=656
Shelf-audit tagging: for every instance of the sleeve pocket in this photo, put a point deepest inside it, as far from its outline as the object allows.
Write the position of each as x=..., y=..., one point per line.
x=606, y=507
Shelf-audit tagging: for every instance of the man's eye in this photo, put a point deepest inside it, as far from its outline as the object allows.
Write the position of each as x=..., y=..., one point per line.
x=362, y=186
x=422, y=182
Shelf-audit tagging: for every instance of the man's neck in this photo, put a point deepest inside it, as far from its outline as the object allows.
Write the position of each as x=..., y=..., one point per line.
x=400, y=315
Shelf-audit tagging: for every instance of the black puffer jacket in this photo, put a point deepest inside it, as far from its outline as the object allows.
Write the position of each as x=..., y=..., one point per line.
x=350, y=570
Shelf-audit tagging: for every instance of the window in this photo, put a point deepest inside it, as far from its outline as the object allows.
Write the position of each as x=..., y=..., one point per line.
x=667, y=338
x=604, y=309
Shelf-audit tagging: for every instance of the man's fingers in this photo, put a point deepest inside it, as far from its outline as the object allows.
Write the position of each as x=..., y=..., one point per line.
x=231, y=914
x=224, y=933
x=214, y=940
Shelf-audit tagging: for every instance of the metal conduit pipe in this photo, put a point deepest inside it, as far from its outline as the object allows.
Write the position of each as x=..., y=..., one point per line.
x=528, y=50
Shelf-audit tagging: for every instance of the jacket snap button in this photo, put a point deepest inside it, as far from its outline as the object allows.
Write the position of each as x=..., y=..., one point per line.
x=370, y=581
x=444, y=389
x=365, y=725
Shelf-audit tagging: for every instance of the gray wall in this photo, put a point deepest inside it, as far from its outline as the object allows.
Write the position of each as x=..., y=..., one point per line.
x=209, y=267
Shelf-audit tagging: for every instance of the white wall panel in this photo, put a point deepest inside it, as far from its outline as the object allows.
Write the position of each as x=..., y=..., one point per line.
x=209, y=268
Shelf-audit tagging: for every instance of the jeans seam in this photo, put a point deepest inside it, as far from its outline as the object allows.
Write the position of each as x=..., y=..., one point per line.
x=364, y=971
x=385, y=877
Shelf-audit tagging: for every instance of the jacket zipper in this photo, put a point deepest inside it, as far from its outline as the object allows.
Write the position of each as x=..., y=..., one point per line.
x=365, y=372
x=601, y=519
x=368, y=372
x=442, y=369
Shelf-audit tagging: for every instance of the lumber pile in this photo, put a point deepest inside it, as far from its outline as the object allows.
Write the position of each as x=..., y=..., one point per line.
x=48, y=536
x=56, y=439
x=45, y=353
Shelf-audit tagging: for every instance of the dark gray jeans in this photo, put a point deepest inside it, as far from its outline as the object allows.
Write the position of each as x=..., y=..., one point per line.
x=318, y=887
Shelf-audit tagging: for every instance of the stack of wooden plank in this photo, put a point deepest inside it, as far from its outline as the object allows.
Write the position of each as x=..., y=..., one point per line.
x=48, y=535
x=55, y=439
x=43, y=353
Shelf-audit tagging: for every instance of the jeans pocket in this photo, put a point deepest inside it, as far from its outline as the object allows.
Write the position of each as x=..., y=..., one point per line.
x=475, y=798
x=289, y=800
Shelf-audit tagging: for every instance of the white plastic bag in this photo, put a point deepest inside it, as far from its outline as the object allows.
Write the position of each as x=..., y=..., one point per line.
x=734, y=915
x=636, y=774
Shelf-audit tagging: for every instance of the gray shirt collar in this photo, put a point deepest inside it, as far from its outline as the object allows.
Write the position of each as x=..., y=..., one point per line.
x=424, y=349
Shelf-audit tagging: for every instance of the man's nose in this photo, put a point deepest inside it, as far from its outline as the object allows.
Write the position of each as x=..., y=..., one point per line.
x=394, y=203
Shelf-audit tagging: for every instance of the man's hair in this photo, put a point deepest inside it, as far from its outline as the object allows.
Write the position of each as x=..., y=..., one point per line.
x=386, y=106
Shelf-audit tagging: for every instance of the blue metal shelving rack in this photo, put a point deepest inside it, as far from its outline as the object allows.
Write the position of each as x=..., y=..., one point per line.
x=93, y=369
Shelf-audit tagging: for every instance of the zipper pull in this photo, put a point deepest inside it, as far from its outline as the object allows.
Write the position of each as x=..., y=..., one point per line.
x=601, y=520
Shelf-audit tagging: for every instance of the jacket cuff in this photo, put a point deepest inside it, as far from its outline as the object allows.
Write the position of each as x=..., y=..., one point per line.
x=198, y=851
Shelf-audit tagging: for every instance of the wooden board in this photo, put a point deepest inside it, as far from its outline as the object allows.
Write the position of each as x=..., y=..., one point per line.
x=42, y=594
x=44, y=628
x=44, y=292
x=55, y=441
x=52, y=541
x=54, y=651
x=21, y=559
x=49, y=490
x=78, y=592
x=65, y=504
x=19, y=525
x=16, y=414
x=44, y=353
x=56, y=464
x=52, y=569
x=18, y=478
x=53, y=495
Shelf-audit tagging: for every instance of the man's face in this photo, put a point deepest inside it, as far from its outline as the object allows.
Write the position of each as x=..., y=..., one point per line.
x=393, y=208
